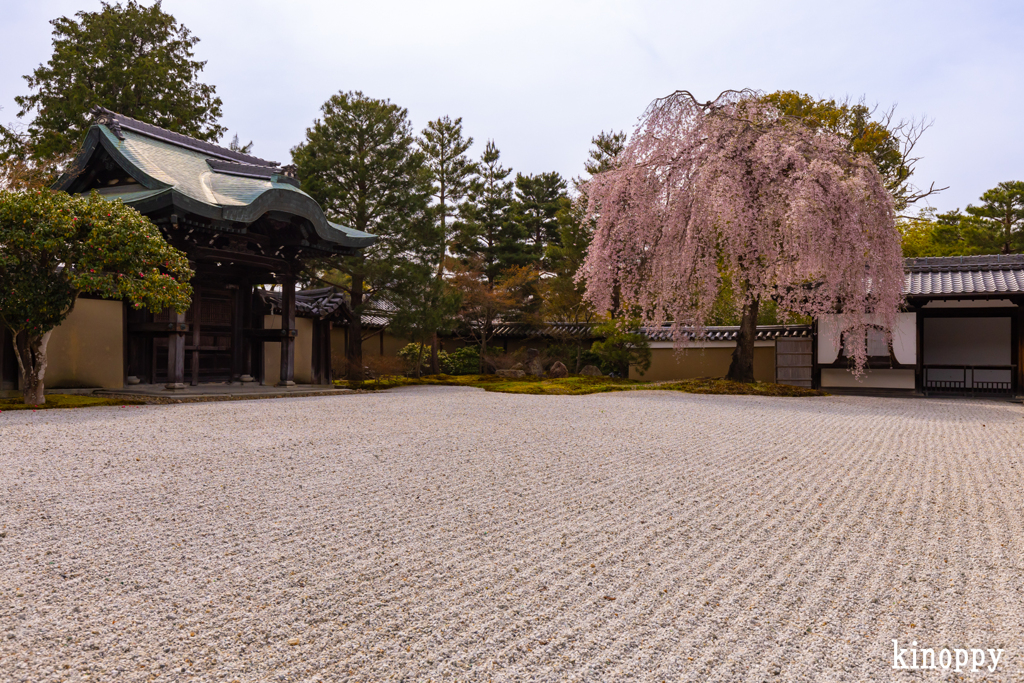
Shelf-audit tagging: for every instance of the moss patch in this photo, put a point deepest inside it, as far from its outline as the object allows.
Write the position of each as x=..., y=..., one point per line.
x=575, y=386
x=65, y=401
x=705, y=385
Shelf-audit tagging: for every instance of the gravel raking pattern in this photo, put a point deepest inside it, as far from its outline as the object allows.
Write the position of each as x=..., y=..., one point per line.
x=449, y=534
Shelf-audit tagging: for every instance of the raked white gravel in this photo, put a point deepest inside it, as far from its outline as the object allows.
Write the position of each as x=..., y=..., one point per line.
x=449, y=534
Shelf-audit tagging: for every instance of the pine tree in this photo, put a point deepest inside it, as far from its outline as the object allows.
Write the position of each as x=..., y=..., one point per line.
x=360, y=162
x=539, y=198
x=132, y=59
x=997, y=226
x=450, y=170
x=607, y=146
x=486, y=232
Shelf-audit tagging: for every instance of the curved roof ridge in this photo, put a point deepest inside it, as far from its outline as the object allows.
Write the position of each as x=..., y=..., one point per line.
x=116, y=121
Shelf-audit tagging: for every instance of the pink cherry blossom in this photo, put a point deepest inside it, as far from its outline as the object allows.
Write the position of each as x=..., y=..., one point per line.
x=733, y=187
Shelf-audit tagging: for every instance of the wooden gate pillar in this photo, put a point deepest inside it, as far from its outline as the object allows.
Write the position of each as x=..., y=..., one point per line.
x=239, y=322
x=197, y=310
x=176, y=353
x=287, y=331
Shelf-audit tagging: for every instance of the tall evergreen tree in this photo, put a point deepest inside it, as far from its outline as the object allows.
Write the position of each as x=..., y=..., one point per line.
x=486, y=231
x=607, y=146
x=132, y=59
x=451, y=170
x=361, y=163
x=538, y=199
x=564, y=299
x=445, y=148
x=997, y=226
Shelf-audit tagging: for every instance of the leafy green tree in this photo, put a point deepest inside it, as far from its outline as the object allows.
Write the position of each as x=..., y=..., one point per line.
x=55, y=246
x=931, y=234
x=484, y=302
x=994, y=227
x=445, y=148
x=888, y=142
x=486, y=232
x=132, y=59
x=361, y=163
x=425, y=306
x=622, y=346
x=538, y=199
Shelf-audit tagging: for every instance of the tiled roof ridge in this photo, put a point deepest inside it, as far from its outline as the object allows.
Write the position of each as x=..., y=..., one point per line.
x=926, y=264
x=115, y=122
x=662, y=333
x=726, y=332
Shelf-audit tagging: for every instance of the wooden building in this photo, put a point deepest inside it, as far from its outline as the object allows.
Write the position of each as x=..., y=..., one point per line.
x=244, y=224
x=962, y=332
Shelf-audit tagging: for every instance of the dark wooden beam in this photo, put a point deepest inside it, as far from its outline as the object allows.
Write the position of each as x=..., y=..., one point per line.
x=276, y=264
x=317, y=341
x=125, y=343
x=328, y=359
x=270, y=336
x=287, y=377
x=176, y=353
x=197, y=309
x=157, y=328
x=237, y=336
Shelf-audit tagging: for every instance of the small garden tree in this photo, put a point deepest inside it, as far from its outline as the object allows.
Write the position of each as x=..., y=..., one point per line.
x=733, y=190
x=424, y=306
x=622, y=346
x=55, y=246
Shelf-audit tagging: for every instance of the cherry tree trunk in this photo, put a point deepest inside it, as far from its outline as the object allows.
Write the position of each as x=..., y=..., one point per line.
x=31, y=354
x=742, y=367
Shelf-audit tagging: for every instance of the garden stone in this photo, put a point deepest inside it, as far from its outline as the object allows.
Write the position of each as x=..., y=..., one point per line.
x=591, y=371
x=515, y=374
x=558, y=370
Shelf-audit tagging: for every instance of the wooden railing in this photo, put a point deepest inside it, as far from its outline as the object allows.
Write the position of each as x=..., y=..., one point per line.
x=967, y=382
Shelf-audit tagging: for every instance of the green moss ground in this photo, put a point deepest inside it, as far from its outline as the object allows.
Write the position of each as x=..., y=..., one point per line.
x=65, y=401
x=574, y=386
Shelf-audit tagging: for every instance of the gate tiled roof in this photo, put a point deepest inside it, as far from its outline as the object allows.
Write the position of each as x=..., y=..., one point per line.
x=206, y=179
x=958, y=275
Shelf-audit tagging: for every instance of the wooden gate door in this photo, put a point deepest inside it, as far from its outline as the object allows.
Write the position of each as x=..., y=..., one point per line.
x=794, y=361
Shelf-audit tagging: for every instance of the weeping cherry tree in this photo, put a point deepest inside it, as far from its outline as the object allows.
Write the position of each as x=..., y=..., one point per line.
x=732, y=193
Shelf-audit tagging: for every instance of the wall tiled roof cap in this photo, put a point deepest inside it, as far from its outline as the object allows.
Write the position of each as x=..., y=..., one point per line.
x=544, y=330
x=728, y=332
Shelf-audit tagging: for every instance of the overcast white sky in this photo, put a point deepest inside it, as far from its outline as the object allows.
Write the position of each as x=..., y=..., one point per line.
x=541, y=78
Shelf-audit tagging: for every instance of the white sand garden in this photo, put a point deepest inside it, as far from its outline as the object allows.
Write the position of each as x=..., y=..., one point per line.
x=436, y=533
